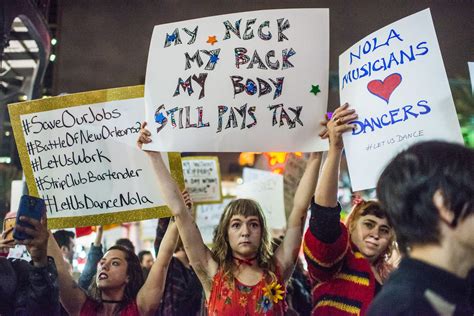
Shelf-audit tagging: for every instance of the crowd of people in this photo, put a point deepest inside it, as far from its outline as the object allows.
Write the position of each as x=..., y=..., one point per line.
x=424, y=215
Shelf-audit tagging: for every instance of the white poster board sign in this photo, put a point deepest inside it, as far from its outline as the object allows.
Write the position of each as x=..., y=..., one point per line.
x=250, y=81
x=202, y=179
x=79, y=153
x=396, y=81
x=471, y=74
x=16, y=193
x=294, y=169
x=207, y=218
x=267, y=189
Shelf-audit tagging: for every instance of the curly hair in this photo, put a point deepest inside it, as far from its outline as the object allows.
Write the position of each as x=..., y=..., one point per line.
x=135, y=276
x=373, y=207
x=221, y=250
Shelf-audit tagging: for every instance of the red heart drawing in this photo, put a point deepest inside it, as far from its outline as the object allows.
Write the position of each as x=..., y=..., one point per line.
x=383, y=89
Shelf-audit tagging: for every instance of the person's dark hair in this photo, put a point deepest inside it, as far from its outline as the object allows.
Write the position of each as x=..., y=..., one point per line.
x=407, y=185
x=63, y=237
x=142, y=254
x=135, y=277
x=126, y=243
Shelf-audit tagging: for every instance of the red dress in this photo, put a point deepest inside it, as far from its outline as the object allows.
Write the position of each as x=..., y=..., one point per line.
x=89, y=308
x=267, y=297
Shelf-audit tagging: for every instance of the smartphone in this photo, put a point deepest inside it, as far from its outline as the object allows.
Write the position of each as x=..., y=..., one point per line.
x=32, y=207
x=7, y=224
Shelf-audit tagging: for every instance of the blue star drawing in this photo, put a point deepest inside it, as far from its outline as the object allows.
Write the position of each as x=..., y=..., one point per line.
x=171, y=38
x=251, y=87
x=214, y=58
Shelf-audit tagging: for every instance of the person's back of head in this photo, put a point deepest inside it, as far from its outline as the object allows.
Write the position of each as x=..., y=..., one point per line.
x=126, y=243
x=146, y=259
x=63, y=237
x=415, y=178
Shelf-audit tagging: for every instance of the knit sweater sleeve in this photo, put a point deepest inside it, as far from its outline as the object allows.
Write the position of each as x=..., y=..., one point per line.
x=326, y=242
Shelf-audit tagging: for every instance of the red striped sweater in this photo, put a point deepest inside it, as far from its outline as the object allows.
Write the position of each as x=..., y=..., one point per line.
x=344, y=281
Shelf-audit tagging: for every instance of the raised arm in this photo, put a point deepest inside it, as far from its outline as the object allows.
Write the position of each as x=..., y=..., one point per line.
x=326, y=240
x=287, y=253
x=199, y=255
x=70, y=294
x=326, y=191
x=43, y=290
x=93, y=258
x=149, y=296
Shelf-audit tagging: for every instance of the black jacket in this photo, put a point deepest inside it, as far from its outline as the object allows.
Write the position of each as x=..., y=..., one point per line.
x=28, y=290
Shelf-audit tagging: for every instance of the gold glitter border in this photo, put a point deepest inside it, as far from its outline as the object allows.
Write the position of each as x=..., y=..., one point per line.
x=216, y=159
x=79, y=99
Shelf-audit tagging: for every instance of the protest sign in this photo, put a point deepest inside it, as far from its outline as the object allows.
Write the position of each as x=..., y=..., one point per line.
x=294, y=169
x=79, y=153
x=267, y=189
x=208, y=216
x=16, y=193
x=250, y=81
x=202, y=179
x=395, y=79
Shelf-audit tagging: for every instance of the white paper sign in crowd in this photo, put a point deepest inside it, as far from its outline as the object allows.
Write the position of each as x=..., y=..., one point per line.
x=202, y=178
x=207, y=218
x=250, y=81
x=79, y=154
x=267, y=189
x=395, y=79
x=294, y=169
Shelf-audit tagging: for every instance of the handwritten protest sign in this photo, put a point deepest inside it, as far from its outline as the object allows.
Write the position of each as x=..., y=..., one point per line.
x=294, y=169
x=250, y=81
x=79, y=154
x=395, y=79
x=16, y=193
x=202, y=179
x=208, y=216
x=267, y=189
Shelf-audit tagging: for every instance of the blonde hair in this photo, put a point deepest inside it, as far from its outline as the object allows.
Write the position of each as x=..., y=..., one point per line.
x=222, y=252
x=373, y=207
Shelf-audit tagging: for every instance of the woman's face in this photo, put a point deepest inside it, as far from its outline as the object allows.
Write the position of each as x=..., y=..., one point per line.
x=371, y=235
x=245, y=236
x=112, y=270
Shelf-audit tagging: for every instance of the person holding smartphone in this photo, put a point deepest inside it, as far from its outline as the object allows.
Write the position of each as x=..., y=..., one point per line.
x=28, y=288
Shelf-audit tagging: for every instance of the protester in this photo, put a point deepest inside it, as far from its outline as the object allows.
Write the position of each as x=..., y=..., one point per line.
x=347, y=264
x=29, y=288
x=241, y=275
x=93, y=257
x=119, y=288
x=183, y=293
x=146, y=261
x=126, y=243
x=67, y=244
x=428, y=191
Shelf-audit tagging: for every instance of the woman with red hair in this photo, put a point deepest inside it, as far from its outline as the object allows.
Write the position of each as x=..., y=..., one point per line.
x=347, y=263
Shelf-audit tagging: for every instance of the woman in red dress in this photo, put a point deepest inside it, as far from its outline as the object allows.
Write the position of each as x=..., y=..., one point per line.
x=241, y=275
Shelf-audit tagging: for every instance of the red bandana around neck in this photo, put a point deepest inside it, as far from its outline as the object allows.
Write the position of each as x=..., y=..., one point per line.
x=245, y=261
